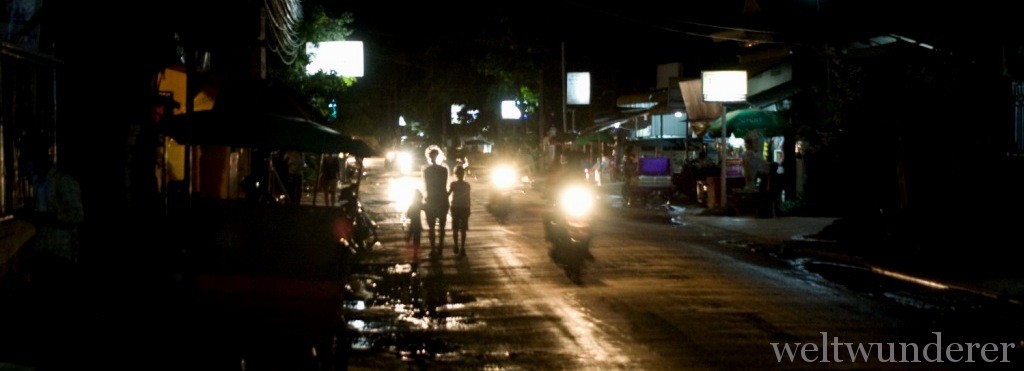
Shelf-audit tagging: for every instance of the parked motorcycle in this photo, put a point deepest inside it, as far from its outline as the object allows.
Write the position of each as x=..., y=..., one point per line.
x=568, y=226
x=361, y=230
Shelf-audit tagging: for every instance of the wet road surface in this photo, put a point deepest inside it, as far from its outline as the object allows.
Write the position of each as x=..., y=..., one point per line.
x=657, y=296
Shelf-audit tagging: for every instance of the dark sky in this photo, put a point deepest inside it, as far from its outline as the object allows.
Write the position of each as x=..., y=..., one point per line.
x=593, y=36
x=622, y=43
x=621, y=48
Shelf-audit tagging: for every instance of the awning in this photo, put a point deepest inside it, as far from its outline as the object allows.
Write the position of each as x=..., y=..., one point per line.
x=253, y=130
x=258, y=116
x=637, y=101
x=615, y=120
x=263, y=131
x=696, y=108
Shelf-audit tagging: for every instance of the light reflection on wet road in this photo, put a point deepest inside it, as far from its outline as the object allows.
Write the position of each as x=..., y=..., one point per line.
x=658, y=296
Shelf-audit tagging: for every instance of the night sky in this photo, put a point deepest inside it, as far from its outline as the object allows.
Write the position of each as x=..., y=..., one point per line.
x=622, y=44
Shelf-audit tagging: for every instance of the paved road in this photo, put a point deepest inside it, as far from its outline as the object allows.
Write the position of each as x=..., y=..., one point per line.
x=658, y=296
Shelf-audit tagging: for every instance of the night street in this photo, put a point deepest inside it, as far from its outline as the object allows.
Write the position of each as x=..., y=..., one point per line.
x=657, y=296
x=710, y=185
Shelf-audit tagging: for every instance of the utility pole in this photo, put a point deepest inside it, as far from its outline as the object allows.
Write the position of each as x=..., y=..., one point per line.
x=540, y=111
x=564, y=124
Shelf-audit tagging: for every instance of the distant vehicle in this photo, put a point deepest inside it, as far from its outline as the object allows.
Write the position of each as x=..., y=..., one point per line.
x=406, y=158
x=504, y=182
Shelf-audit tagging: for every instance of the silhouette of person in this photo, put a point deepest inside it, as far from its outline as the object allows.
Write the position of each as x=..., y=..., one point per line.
x=412, y=236
x=330, y=173
x=56, y=214
x=435, y=178
x=459, y=192
x=144, y=146
x=296, y=163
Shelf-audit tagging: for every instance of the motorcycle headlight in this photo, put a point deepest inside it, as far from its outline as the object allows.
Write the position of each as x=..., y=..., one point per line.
x=503, y=177
x=404, y=162
x=577, y=201
x=390, y=156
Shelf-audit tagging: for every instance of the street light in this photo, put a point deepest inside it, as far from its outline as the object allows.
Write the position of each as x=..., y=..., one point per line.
x=724, y=87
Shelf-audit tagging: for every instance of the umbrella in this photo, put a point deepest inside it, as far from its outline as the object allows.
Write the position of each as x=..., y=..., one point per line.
x=771, y=123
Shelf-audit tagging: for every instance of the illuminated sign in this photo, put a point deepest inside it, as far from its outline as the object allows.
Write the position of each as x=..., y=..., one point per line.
x=578, y=88
x=724, y=86
x=342, y=58
x=510, y=111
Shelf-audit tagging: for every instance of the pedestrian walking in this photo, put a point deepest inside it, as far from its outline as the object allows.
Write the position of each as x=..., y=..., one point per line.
x=413, y=213
x=435, y=205
x=460, y=201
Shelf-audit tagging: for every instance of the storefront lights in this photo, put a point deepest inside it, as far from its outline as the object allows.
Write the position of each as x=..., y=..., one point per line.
x=724, y=87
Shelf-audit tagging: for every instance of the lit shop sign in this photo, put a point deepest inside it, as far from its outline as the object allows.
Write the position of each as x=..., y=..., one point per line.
x=578, y=88
x=510, y=111
x=342, y=58
x=724, y=86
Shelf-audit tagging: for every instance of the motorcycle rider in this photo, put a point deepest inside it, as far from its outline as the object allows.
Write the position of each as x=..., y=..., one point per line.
x=567, y=172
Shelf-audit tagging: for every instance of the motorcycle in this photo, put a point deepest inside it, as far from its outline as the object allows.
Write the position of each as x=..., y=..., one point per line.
x=361, y=230
x=568, y=226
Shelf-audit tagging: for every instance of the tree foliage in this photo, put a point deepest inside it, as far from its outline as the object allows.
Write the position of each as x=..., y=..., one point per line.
x=321, y=88
x=822, y=113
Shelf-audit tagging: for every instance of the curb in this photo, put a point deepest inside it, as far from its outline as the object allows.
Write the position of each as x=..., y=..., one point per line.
x=826, y=256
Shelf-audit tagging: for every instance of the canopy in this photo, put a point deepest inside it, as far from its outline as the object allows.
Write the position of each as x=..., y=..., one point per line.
x=357, y=148
x=739, y=122
x=254, y=130
x=258, y=116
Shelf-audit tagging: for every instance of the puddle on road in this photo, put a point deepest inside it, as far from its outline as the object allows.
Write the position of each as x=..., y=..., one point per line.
x=401, y=310
x=661, y=214
x=904, y=289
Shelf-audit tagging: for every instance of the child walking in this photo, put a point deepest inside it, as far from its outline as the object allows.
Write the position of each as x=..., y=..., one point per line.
x=459, y=192
x=412, y=236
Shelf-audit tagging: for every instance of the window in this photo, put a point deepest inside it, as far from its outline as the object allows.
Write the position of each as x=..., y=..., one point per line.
x=27, y=121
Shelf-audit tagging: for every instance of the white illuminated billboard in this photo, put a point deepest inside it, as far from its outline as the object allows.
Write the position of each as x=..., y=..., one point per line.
x=578, y=88
x=724, y=86
x=509, y=110
x=343, y=58
x=456, y=108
